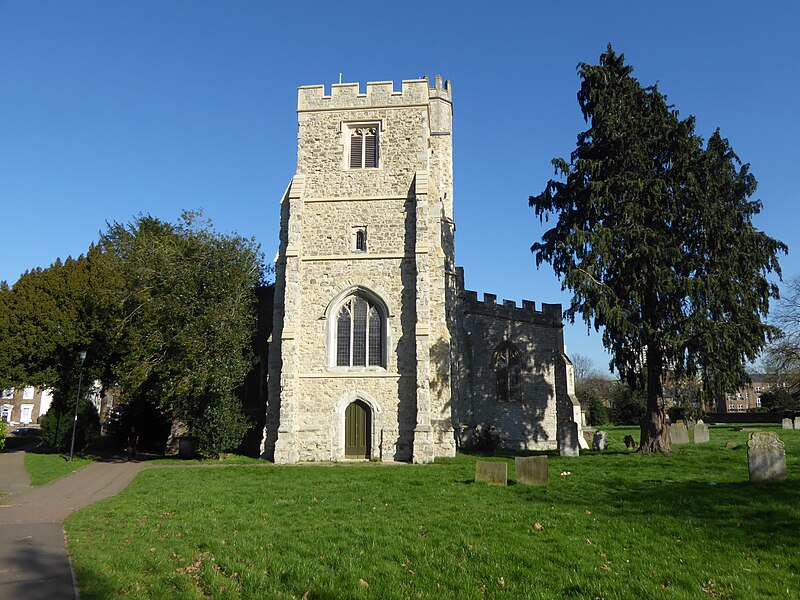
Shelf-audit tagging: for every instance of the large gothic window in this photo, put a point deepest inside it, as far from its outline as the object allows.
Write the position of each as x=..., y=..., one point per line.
x=507, y=376
x=359, y=334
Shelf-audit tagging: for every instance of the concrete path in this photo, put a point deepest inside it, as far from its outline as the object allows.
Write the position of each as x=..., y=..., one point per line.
x=34, y=562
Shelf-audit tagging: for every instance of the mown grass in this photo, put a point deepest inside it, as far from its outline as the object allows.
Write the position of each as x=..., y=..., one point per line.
x=620, y=525
x=45, y=467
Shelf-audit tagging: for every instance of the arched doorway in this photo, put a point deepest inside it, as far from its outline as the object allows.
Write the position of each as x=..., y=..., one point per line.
x=357, y=430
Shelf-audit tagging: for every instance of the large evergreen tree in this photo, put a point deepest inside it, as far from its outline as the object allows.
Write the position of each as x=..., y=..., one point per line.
x=654, y=237
x=164, y=311
x=188, y=323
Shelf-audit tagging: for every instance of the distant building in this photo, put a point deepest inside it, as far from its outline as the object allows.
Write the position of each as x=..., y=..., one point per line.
x=25, y=405
x=749, y=397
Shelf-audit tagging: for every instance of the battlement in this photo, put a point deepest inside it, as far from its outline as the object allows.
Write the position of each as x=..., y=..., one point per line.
x=549, y=314
x=344, y=96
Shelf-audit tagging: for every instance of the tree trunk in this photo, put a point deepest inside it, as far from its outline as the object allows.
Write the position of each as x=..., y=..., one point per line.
x=654, y=431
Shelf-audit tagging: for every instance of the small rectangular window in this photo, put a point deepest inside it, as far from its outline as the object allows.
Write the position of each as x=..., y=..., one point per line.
x=358, y=238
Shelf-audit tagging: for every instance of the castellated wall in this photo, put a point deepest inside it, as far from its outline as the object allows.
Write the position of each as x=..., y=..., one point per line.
x=531, y=422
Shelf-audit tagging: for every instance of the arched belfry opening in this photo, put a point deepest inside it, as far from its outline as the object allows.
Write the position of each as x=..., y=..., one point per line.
x=358, y=430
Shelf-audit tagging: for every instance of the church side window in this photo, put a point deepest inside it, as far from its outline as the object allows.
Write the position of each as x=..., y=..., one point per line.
x=363, y=147
x=359, y=334
x=507, y=373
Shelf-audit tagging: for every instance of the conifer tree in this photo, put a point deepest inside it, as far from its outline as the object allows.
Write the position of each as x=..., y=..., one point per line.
x=653, y=235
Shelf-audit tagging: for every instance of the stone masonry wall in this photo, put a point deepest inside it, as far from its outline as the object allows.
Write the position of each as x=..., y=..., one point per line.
x=308, y=393
x=531, y=423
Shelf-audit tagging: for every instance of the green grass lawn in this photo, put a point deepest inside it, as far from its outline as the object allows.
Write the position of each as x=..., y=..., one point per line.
x=620, y=525
x=44, y=468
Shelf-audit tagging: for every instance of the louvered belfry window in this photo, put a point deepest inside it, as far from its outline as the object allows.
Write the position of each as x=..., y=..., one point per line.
x=364, y=148
x=359, y=334
x=507, y=373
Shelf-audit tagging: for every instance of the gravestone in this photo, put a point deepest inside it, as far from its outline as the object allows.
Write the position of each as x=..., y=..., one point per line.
x=495, y=473
x=731, y=445
x=691, y=424
x=797, y=422
x=568, y=445
x=678, y=434
x=766, y=457
x=531, y=470
x=600, y=441
x=787, y=424
x=701, y=433
x=630, y=443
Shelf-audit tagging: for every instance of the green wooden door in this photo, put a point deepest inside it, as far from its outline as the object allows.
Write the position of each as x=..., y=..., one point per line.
x=357, y=430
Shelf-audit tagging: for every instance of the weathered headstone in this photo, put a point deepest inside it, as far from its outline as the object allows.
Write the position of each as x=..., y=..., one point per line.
x=787, y=424
x=531, y=470
x=797, y=422
x=691, y=424
x=731, y=445
x=600, y=441
x=766, y=457
x=630, y=443
x=568, y=445
x=495, y=473
x=678, y=434
x=701, y=433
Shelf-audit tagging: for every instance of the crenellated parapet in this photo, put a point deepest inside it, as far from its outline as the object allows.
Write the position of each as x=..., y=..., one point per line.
x=379, y=94
x=549, y=315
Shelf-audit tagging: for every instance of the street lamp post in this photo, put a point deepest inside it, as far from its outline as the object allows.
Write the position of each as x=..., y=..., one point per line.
x=82, y=355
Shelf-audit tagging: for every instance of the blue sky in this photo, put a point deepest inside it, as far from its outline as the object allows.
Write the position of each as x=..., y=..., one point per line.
x=110, y=109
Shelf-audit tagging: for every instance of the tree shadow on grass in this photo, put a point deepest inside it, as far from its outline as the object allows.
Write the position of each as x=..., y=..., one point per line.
x=761, y=515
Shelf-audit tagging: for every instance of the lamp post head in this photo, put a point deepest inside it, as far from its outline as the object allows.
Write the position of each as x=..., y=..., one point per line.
x=82, y=355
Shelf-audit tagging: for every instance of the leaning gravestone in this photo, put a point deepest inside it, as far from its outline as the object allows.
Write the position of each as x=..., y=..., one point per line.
x=630, y=443
x=531, y=470
x=495, y=473
x=678, y=434
x=731, y=445
x=600, y=441
x=568, y=444
x=766, y=457
x=787, y=424
x=701, y=433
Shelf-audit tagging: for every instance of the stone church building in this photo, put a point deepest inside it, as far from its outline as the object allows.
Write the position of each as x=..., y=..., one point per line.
x=377, y=350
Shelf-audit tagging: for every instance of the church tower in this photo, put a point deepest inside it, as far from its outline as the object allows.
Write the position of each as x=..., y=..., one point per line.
x=366, y=289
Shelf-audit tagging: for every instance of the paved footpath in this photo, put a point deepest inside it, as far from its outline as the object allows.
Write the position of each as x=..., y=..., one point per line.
x=34, y=562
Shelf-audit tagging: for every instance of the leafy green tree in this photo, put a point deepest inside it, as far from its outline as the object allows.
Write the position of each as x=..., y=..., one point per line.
x=780, y=399
x=52, y=314
x=56, y=425
x=188, y=321
x=598, y=413
x=782, y=359
x=628, y=406
x=654, y=237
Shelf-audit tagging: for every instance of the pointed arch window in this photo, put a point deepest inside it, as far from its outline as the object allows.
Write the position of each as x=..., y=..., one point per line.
x=360, y=334
x=507, y=373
